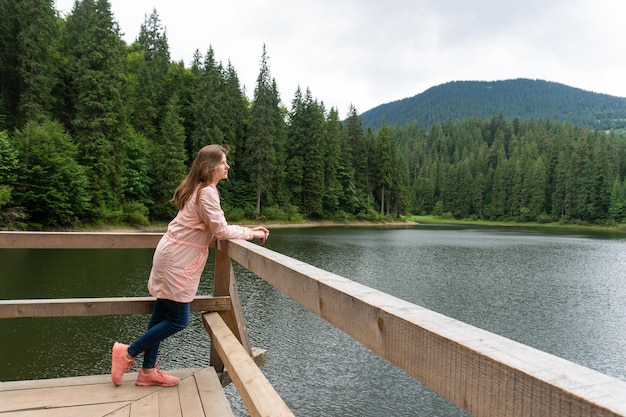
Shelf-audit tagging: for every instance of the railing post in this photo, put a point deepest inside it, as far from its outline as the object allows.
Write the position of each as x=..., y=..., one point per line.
x=226, y=285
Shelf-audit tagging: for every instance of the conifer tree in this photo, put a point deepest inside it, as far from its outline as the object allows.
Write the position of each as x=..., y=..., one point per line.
x=208, y=95
x=137, y=170
x=618, y=202
x=180, y=81
x=358, y=159
x=37, y=43
x=384, y=167
x=333, y=167
x=150, y=95
x=305, y=154
x=9, y=65
x=537, y=185
x=96, y=56
x=168, y=158
x=263, y=147
x=234, y=117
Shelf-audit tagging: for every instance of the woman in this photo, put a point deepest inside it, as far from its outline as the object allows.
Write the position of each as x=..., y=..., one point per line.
x=178, y=262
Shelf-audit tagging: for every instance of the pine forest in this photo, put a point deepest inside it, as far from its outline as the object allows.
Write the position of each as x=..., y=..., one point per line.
x=96, y=131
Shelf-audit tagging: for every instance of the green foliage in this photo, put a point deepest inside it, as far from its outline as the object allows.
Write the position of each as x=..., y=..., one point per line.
x=132, y=121
x=168, y=161
x=9, y=65
x=136, y=214
x=522, y=171
x=51, y=186
x=97, y=81
x=263, y=155
x=9, y=163
x=305, y=156
x=8, y=160
x=137, y=169
x=37, y=40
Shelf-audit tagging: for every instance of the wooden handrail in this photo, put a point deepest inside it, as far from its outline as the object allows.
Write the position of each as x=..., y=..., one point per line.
x=255, y=390
x=78, y=240
x=85, y=307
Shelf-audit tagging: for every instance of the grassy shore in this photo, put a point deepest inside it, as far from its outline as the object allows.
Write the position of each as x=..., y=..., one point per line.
x=620, y=228
x=408, y=221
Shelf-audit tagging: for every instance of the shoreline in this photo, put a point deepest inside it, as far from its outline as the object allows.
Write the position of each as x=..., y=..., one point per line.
x=417, y=220
x=270, y=226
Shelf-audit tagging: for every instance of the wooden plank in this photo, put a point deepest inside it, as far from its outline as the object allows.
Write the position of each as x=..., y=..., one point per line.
x=146, y=406
x=259, y=356
x=109, y=410
x=214, y=401
x=169, y=403
x=69, y=396
x=479, y=371
x=226, y=285
x=85, y=307
x=78, y=240
x=255, y=390
x=69, y=381
x=199, y=393
x=121, y=412
x=189, y=398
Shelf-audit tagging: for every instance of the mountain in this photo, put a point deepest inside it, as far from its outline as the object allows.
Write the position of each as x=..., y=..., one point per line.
x=521, y=98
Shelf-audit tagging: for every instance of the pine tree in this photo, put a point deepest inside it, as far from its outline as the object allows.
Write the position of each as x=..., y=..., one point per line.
x=180, y=82
x=358, y=159
x=168, y=157
x=209, y=93
x=234, y=116
x=384, y=167
x=137, y=171
x=264, y=145
x=9, y=65
x=313, y=157
x=618, y=202
x=96, y=55
x=333, y=168
x=37, y=43
x=150, y=95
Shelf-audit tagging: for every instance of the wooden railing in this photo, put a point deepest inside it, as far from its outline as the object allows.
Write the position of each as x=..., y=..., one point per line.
x=231, y=354
x=481, y=372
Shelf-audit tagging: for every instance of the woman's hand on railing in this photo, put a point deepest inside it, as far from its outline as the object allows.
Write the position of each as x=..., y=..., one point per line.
x=260, y=233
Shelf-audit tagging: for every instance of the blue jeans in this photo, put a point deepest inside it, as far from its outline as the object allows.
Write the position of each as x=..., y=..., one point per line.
x=168, y=317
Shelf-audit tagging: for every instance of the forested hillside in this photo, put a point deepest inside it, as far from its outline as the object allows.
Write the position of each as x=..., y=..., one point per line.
x=93, y=131
x=521, y=98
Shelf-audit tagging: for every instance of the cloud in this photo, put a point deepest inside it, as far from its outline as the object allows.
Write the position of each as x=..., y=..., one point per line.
x=370, y=52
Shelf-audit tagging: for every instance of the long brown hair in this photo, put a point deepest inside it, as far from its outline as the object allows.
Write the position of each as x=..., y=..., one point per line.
x=201, y=173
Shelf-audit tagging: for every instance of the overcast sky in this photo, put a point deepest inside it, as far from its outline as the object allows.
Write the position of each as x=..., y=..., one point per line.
x=367, y=53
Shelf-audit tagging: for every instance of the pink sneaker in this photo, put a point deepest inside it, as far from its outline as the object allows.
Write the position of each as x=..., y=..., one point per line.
x=156, y=377
x=119, y=362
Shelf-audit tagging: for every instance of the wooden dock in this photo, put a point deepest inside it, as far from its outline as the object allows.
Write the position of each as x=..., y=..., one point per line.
x=199, y=394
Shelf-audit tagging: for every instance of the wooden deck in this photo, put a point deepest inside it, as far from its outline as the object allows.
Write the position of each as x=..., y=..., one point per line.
x=199, y=394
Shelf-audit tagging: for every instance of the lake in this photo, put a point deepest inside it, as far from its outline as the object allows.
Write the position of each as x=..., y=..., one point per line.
x=559, y=291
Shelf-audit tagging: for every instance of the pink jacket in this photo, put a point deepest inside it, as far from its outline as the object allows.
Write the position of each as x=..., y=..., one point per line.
x=182, y=252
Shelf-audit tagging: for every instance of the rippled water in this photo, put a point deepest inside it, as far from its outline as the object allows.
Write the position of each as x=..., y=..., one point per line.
x=556, y=291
